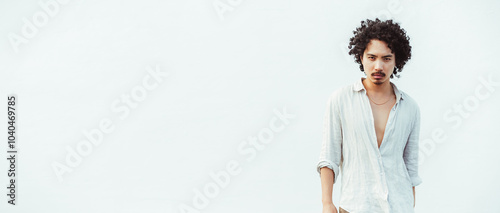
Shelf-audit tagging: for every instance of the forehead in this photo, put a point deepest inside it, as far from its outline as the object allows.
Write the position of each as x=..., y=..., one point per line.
x=377, y=47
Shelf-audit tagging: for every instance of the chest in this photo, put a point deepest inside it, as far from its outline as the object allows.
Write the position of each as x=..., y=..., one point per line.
x=365, y=125
x=380, y=117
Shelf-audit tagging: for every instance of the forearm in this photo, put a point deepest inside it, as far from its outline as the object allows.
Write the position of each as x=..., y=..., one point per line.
x=327, y=180
x=414, y=196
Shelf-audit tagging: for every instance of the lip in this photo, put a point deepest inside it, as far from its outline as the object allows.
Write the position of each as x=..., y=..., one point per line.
x=378, y=76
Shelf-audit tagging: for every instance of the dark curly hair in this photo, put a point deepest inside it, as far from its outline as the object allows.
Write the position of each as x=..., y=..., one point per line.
x=387, y=31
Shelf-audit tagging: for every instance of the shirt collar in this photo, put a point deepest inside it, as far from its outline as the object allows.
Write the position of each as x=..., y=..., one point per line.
x=358, y=86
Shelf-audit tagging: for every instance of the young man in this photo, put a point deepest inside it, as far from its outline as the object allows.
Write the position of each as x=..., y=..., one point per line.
x=371, y=129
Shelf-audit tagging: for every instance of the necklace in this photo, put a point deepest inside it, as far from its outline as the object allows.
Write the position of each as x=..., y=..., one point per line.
x=376, y=103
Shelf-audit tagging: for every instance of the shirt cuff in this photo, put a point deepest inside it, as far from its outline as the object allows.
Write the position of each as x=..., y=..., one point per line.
x=415, y=181
x=330, y=165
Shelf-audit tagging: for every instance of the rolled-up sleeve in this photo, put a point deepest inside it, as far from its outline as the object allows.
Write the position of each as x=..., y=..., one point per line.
x=331, y=148
x=411, y=151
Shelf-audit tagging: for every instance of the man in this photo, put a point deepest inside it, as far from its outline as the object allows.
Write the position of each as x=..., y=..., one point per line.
x=371, y=129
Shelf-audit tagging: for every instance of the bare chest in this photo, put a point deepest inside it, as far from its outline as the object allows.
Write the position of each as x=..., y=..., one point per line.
x=380, y=117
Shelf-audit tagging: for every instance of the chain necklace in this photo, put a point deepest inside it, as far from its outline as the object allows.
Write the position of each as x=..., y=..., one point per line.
x=376, y=103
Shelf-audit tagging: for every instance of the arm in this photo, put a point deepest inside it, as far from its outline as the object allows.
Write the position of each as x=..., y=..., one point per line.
x=327, y=179
x=330, y=156
x=414, y=196
x=410, y=154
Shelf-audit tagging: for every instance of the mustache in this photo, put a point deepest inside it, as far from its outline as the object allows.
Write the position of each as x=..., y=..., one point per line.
x=378, y=73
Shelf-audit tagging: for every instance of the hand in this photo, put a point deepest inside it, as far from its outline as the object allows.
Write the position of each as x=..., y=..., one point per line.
x=329, y=208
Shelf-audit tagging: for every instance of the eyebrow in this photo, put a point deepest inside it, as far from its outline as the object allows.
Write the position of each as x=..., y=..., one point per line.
x=385, y=56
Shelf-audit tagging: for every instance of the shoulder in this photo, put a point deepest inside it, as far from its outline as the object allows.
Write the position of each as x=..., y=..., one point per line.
x=409, y=100
x=411, y=104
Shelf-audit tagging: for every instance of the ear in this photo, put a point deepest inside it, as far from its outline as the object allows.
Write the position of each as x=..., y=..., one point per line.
x=361, y=58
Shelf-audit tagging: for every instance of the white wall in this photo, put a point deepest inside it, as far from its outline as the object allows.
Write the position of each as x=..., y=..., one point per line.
x=230, y=75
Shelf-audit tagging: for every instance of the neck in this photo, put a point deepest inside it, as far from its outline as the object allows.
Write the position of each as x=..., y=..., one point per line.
x=384, y=88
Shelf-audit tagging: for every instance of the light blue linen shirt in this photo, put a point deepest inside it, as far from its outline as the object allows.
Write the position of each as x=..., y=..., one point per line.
x=373, y=180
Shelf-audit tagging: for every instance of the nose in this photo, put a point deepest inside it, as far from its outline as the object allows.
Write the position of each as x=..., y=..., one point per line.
x=378, y=65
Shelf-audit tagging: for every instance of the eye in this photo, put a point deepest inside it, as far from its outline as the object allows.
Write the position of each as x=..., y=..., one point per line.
x=371, y=57
x=387, y=59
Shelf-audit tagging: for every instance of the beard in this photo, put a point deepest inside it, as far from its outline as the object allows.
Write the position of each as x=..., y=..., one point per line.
x=377, y=81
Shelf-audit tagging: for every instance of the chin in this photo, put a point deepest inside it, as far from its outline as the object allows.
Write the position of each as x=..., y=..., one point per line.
x=378, y=81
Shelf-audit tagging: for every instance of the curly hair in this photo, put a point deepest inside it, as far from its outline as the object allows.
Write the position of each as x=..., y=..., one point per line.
x=387, y=31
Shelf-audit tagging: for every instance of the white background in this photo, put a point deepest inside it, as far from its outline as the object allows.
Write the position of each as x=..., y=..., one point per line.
x=229, y=73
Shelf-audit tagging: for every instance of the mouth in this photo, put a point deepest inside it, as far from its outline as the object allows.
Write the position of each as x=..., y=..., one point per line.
x=378, y=75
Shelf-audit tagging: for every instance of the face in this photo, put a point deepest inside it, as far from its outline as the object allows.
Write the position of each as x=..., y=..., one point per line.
x=378, y=62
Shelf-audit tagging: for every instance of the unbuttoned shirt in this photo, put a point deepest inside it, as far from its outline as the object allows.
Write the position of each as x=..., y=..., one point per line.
x=373, y=179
